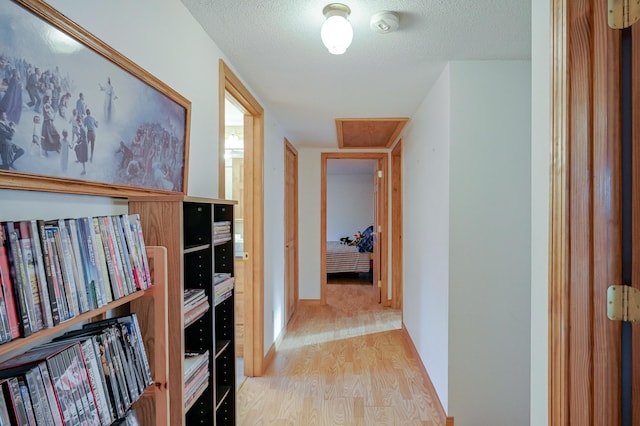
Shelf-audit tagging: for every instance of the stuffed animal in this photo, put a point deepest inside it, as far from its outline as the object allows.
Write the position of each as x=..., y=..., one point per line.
x=346, y=240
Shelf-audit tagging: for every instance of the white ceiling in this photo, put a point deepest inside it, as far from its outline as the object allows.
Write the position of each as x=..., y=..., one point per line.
x=275, y=47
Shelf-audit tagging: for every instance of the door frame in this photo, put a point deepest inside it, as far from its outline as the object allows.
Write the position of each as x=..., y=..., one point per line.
x=585, y=229
x=254, y=359
x=383, y=160
x=289, y=147
x=397, y=255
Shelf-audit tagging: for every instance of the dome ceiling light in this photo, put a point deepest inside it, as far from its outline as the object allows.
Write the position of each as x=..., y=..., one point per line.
x=336, y=32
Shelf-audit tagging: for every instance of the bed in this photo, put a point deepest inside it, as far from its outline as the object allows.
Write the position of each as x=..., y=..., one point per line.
x=343, y=257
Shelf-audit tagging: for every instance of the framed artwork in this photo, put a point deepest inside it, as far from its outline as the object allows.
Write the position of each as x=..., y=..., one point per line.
x=78, y=117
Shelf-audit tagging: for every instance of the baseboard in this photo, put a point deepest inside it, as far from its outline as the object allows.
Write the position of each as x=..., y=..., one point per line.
x=271, y=353
x=268, y=358
x=309, y=302
x=447, y=420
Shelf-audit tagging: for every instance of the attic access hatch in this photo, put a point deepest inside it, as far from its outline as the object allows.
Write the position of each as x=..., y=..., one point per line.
x=368, y=132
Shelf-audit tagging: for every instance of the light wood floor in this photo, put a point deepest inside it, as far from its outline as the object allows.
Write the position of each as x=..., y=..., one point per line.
x=346, y=363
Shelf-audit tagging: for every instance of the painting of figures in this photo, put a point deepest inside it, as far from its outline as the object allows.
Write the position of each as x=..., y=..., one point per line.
x=68, y=112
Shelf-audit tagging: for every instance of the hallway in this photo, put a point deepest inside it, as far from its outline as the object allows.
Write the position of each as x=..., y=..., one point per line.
x=346, y=363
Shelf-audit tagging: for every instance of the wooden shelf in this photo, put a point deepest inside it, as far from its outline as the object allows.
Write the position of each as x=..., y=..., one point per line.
x=185, y=226
x=193, y=249
x=221, y=345
x=150, y=307
x=196, y=397
x=221, y=394
x=54, y=331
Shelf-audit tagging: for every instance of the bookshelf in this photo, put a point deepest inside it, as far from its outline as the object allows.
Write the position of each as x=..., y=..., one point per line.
x=150, y=307
x=197, y=259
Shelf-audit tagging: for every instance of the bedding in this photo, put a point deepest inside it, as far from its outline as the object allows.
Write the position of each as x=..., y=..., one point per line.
x=344, y=258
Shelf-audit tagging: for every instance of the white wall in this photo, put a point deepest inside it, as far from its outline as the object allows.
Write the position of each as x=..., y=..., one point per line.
x=489, y=287
x=274, y=314
x=425, y=177
x=165, y=40
x=540, y=149
x=349, y=204
x=309, y=222
x=483, y=254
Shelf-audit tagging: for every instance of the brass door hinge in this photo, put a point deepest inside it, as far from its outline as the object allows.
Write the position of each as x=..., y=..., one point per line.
x=623, y=303
x=623, y=13
x=379, y=284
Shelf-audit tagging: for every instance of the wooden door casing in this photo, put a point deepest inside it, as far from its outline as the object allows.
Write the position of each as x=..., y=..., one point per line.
x=585, y=221
x=376, y=243
x=397, y=257
x=253, y=207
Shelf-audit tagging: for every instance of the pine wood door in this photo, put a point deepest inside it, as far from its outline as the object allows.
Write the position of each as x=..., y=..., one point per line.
x=591, y=220
x=290, y=230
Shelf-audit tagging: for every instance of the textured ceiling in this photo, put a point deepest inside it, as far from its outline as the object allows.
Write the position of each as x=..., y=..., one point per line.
x=275, y=46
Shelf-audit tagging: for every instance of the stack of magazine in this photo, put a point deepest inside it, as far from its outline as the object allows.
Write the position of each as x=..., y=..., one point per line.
x=221, y=232
x=223, y=289
x=89, y=376
x=196, y=304
x=54, y=270
x=196, y=375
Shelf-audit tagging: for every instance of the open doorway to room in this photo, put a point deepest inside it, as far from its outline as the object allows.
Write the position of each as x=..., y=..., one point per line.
x=350, y=218
x=354, y=202
x=233, y=94
x=234, y=190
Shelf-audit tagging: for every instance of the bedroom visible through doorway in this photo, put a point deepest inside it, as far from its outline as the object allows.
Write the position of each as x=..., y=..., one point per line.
x=354, y=201
x=350, y=216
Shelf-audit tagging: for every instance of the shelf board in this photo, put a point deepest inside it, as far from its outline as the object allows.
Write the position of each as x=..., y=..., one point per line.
x=221, y=345
x=219, y=300
x=219, y=243
x=221, y=394
x=193, y=249
x=194, y=320
x=86, y=316
x=196, y=396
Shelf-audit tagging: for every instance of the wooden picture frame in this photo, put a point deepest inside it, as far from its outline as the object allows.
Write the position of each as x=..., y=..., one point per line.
x=134, y=138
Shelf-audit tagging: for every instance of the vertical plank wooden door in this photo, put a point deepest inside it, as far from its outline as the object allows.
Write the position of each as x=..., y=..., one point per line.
x=290, y=229
x=595, y=216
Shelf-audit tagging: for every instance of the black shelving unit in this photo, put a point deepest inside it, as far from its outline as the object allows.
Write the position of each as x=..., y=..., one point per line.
x=224, y=322
x=205, y=255
x=196, y=253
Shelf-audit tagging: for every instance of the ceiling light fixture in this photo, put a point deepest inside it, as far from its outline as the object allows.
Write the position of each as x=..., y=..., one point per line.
x=384, y=22
x=336, y=32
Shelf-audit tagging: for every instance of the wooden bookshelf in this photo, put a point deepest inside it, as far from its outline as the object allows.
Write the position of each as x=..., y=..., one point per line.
x=185, y=225
x=151, y=309
x=150, y=306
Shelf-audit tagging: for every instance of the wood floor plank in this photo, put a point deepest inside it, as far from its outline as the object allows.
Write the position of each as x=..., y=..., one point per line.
x=345, y=363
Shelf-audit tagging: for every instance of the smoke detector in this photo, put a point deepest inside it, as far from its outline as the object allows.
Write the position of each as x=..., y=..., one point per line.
x=384, y=22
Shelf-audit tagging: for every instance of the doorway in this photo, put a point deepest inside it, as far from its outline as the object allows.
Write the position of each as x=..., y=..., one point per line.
x=379, y=226
x=351, y=214
x=231, y=90
x=290, y=230
x=234, y=190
